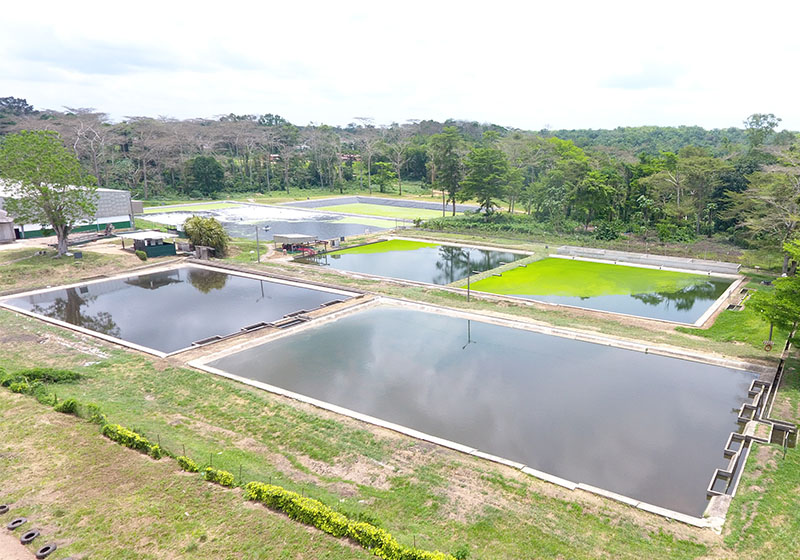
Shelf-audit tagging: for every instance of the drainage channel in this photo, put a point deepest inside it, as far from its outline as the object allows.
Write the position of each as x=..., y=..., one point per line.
x=755, y=421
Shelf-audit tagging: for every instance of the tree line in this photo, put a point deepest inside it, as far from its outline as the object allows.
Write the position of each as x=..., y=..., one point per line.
x=677, y=182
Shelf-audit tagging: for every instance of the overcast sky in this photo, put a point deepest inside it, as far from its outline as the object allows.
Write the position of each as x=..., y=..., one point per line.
x=530, y=65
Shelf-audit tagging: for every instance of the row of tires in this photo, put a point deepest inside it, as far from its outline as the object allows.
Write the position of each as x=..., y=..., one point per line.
x=29, y=536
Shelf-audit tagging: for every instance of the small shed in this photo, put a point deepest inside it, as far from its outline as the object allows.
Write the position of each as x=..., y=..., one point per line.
x=297, y=242
x=7, y=234
x=151, y=242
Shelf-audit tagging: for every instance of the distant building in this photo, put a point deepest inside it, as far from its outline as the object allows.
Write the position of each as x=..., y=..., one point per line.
x=113, y=207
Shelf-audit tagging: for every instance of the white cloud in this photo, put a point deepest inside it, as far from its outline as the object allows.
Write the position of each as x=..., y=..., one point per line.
x=574, y=65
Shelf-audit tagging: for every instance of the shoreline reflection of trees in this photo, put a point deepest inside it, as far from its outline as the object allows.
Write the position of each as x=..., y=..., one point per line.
x=686, y=298
x=455, y=263
x=206, y=280
x=68, y=309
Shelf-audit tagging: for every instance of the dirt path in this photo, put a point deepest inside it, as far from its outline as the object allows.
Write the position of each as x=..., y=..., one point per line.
x=12, y=549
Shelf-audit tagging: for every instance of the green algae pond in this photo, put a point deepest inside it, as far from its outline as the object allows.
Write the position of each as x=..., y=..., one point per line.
x=658, y=294
x=418, y=261
x=645, y=426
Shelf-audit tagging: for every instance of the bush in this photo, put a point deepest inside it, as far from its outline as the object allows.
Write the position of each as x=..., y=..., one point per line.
x=50, y=375
x=207, y=232
x=667, y=231
x=41, y=394
x=69, y=406
x=131, y=439
x=95, y=415
x=20, y=387
x=315, y=513
x=608, y=231
x=187, y=464
x=223, y=478
x=142, y=255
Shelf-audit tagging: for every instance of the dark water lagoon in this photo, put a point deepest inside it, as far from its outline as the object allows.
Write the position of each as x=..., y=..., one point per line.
x=420, y=262
x=168, y=310
x=645, y=426
x=686, y=305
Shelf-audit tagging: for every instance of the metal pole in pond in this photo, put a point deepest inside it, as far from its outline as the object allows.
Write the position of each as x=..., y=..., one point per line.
x=258, y=249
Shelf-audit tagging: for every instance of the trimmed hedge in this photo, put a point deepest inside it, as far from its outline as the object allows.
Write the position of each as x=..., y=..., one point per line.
x=223, y=478
x=315, y=513
x=49, y=375
x=131, y=439
x=187, y=464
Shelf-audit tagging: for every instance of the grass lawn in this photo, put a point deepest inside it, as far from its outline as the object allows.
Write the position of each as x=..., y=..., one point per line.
x=743, y=327
x=97, y=499
x=36, y=271
x=190, y=207
x=564, y=277
x=374, y=222
x=382, y=210
x=386, y=247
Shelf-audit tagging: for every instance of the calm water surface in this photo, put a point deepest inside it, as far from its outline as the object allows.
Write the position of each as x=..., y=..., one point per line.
x=645, y=426
x=433, y=265
x=683, y=306
x=169, y=310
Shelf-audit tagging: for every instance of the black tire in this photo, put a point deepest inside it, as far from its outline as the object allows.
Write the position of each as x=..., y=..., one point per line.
x=28, y=537
x=4, y=508
x=46, y=550
x=16, y=523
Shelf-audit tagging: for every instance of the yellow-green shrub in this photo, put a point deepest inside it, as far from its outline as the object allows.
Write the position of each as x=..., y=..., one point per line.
x=313, y=512
x=187, y=464
x=131, y=439
x=223, y=478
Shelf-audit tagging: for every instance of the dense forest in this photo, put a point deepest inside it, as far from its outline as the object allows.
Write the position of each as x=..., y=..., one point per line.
x=676, y=182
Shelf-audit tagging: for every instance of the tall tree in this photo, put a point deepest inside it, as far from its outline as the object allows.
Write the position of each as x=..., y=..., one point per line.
x=445, y=162
x=760, y=126
x=47, y=182
x=781, y=306
x=205, y=174
x=397, y=148
x=486, y=176
x=769, y=209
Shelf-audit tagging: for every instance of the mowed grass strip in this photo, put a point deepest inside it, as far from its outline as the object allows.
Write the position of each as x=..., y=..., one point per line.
x=24, y=268
x=383, y=210
x=565, y=277
x=418, y=492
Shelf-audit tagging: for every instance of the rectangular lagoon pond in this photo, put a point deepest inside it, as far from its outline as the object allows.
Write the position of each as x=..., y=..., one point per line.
x=645, y=292
x=169, y=310
x=414, y=260
x=645, y=426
